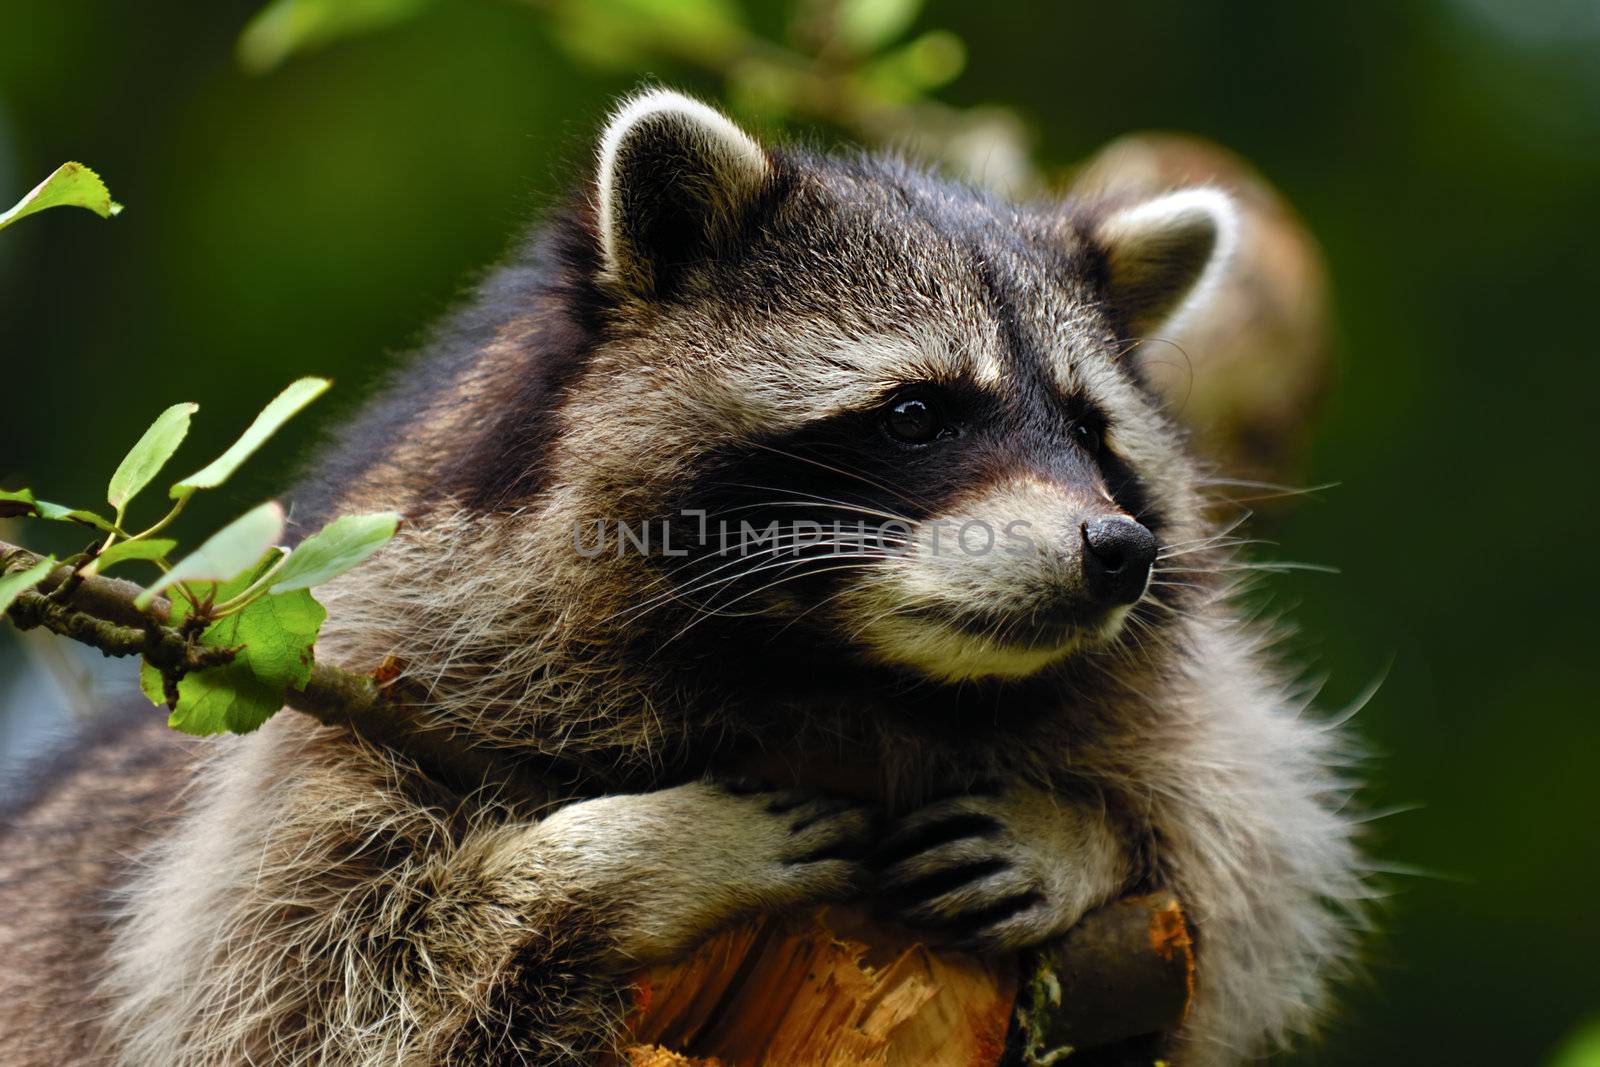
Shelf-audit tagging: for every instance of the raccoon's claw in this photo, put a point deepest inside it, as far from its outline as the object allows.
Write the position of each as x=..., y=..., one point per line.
x=821, y=829
x=829, y=829
x=958, y=819
x=946, y=871
x=997, y=871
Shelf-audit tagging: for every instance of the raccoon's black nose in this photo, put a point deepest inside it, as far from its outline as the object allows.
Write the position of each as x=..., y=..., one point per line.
x=1117, y=555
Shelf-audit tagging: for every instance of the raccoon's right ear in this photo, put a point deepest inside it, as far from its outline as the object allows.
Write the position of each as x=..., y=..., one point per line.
x=677, y=182
x=1162, y=255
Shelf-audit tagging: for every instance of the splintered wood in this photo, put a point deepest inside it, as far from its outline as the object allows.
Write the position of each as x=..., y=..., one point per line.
x=824, y=990
x=834, y=989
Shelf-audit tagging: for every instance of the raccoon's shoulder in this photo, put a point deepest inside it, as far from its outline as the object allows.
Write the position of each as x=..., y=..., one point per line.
x=465, y=417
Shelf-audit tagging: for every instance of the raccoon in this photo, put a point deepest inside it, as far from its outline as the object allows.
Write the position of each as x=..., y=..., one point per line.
x=806, y=527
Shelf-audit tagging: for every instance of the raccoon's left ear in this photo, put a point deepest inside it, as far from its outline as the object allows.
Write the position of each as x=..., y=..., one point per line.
x=676, y=183
x=1161, y=255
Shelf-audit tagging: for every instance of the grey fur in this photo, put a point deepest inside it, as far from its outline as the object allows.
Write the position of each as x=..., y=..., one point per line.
x=710, y=306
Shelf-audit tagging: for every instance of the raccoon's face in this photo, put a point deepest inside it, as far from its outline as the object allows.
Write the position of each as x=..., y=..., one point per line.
x=885, y=411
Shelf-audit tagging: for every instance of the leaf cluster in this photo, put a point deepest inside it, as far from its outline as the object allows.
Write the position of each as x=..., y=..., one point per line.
x=239, y=590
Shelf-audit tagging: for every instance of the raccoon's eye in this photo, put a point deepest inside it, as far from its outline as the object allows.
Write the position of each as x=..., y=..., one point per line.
x=1089, y=435
x=915, y=416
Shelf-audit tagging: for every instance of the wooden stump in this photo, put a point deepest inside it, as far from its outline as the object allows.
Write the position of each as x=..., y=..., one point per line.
x=833, y=989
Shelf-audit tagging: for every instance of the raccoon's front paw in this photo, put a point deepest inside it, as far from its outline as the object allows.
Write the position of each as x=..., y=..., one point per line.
x=669, y=867
x=1001, y=870
x=817, y=835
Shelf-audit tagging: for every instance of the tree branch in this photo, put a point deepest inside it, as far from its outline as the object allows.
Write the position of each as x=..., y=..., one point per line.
x=1125, y=971
x=99, y=612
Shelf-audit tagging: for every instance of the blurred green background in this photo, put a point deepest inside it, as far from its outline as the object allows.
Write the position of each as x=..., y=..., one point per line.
x=312, y=216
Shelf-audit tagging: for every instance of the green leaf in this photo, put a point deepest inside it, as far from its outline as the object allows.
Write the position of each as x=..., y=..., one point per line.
x=18, y=502
x=278, y=634
x=230, y=551
x=1581, y=1049
x=283, y=408
x=56, y=513
x=16, y=583
x=71, y=185
x=919, y=66
x=867, y=25
x=151, y=684
x=123, y=551
x=146, y=458
x=15, y=503
x=285, y=27
x=622, y=33
x=334, y=549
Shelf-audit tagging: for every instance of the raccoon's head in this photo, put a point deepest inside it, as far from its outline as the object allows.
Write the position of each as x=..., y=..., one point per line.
x=843, y=403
